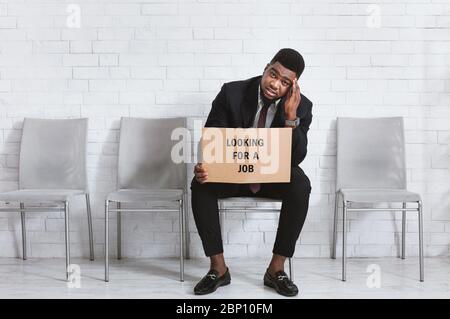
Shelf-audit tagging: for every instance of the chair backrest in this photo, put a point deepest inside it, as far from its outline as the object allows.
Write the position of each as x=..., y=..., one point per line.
x=145, y=160
x=370, y=153
x=53, y=154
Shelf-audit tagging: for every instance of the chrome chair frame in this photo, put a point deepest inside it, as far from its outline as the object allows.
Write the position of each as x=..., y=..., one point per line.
x=119, y=210
x=43, y=209
x=346, y=208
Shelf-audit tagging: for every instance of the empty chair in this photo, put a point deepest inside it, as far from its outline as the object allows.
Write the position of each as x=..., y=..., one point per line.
x=147, y=174
x=52, y=170
x=248, y=204
x=371, y=169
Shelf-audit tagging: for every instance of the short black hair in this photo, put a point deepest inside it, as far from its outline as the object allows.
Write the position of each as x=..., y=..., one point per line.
x=291, y=60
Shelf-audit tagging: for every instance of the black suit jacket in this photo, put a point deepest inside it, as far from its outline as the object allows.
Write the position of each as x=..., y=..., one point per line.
x=236, y=106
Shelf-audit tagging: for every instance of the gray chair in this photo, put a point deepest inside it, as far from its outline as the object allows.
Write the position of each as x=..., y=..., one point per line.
x=247, y=204
x=147, y=174
x=371, y=169
x=52, y=170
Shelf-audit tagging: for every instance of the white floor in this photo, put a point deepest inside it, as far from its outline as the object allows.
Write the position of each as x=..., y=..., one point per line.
x=158, y=278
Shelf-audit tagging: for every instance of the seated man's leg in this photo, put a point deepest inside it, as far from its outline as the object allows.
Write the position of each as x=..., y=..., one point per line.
x=294, y=207
x=295, y=197
x=206, y=212
x=206, y=215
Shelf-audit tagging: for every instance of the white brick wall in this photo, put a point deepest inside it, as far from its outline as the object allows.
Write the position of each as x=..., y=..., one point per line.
x=155, y=58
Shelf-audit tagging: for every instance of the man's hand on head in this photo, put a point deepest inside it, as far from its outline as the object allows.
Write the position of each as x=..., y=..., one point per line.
x=293, y=98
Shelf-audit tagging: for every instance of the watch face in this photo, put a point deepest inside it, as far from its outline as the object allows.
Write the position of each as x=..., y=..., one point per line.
x=290, y=123
x=293, y=123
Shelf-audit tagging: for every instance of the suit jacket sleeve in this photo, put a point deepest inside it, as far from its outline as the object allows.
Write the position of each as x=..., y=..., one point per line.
x=299, y=135
x=218, y=116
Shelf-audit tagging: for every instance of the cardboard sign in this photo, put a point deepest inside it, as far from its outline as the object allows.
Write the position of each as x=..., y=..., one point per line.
x=247, y=155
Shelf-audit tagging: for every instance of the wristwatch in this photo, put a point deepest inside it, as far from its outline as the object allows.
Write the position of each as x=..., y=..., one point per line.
x=292, y=123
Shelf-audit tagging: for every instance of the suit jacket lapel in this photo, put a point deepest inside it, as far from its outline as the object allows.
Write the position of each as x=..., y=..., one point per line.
x=249, y=104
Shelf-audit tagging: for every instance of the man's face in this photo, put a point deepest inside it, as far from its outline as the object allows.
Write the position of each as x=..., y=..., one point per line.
x=276, y=81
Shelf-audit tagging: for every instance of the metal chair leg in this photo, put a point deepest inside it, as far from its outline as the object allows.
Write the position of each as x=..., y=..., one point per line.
x=403, y=230
x=420, y=208
x=222, y=223
x=24, y=232
x=187, y=238
x=119, y=232
x=91, y=236
x=106, y=240
x=291, y=270
x=335, y=222
x=344, y=242
x=67, y=237
x=181, y=217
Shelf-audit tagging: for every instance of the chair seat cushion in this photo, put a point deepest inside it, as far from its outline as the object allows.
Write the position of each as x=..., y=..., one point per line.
x=40, y=195
x=145, y=195
x=376, y=195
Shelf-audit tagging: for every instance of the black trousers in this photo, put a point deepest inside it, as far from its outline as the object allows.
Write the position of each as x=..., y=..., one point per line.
x=295, y=202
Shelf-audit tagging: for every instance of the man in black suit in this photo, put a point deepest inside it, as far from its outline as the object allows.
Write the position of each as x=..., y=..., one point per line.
x=270, y=100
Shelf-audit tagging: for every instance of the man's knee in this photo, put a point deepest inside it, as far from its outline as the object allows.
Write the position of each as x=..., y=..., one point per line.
x=197, y=186
x=299, y=181
x=194, y=183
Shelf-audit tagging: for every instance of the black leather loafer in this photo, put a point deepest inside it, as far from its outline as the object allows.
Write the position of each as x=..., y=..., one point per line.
x=281, y=283
x=211, y=282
